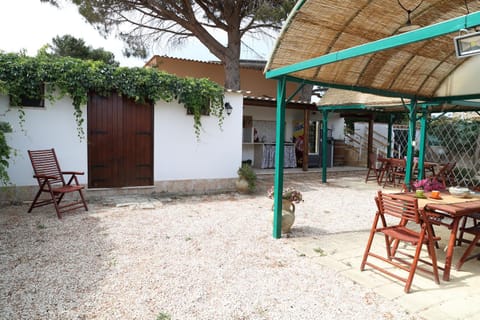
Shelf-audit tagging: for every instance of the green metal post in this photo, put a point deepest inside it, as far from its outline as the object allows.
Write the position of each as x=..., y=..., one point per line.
x=389, y=135
x=279, y=153
x=411, y=136
x=324, y=145
x=423, y=136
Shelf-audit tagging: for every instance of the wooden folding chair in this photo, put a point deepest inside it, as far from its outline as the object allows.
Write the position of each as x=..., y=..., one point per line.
x=446, y=175
x=404, y=209
x=372, y=168
x=475, y=217
x=51, y=181
x=475, y=231
x=396, y=172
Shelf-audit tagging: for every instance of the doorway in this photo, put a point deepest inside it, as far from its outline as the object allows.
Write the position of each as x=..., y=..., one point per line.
x=120, y=142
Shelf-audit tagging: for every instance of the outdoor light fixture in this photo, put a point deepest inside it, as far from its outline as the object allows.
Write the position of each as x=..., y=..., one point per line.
x=467, y=44
x=228, y=108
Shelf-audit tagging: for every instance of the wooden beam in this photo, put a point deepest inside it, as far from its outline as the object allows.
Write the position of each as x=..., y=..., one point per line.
x=370, y=139
x=306, y=129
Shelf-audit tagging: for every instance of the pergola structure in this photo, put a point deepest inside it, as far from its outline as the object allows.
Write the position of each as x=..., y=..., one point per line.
x=361, y=46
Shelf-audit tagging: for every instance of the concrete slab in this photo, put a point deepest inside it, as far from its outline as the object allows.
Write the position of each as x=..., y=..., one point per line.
x=455, y=299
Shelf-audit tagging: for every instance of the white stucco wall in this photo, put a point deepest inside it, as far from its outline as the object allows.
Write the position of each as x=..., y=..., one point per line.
x=361, y=128
x=177, y=152
x=335, y=123
x=51, y=127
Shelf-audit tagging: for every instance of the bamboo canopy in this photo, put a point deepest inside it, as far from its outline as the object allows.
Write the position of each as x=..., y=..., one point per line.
x=348, y=101
x=362, y=46
x=346, y=98
x=316, y=28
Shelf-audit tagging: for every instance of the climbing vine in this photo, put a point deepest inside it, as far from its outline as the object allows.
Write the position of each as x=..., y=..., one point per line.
x=22, y=76
x=4, y=152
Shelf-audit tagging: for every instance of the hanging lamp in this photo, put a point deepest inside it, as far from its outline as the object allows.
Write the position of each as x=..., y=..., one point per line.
x=408, y=25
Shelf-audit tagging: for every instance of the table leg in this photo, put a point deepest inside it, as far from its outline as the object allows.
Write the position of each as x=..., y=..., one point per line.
x=451, y=245
x=380, y=176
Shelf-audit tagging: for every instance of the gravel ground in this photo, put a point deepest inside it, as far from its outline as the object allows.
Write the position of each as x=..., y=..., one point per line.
x=207, y=257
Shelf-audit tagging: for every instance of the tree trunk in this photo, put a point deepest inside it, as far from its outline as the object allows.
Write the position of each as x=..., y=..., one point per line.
x=231, y=62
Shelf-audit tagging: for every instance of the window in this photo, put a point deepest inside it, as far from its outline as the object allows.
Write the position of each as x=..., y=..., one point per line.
x=37, y=102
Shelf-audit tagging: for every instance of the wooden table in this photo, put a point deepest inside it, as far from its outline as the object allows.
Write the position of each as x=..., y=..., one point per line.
x=427, y=165
x=455, y=208
x=386, y=168
x=393, y=169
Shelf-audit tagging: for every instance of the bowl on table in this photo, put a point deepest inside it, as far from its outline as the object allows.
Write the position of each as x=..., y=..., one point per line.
x=460, y=192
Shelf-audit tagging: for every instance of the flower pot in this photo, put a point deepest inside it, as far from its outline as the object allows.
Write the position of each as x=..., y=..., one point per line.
x=242, y=185
x=288, y=215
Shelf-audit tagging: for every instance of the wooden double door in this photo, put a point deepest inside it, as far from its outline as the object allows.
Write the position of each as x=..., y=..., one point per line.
x=120, y=142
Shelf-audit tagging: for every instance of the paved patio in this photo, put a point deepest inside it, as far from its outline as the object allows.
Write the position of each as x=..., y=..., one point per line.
x=456, y=299
x=343, y=251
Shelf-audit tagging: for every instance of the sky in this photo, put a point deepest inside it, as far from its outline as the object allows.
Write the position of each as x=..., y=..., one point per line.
x=30, y=24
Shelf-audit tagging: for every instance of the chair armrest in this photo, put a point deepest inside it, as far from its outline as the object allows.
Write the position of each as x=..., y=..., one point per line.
x=43, y=176
x=73, y=172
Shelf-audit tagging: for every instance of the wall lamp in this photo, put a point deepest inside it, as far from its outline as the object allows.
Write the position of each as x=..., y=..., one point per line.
x=228, y=108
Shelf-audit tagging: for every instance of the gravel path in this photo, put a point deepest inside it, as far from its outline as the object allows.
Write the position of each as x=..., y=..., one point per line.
x=208, y=257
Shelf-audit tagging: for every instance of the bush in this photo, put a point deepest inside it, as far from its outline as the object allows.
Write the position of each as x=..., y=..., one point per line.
x=246, y=172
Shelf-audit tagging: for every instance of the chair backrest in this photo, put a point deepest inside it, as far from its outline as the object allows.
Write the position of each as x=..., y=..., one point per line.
x=447, y=169
x=45, y=163
x=394, y=162
x=397, y=165
x=446, y=174
x=372, y=160
x=398, y=205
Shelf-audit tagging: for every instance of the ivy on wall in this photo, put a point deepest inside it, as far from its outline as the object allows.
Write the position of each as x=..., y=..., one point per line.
x=4, y=152
x=22, y=76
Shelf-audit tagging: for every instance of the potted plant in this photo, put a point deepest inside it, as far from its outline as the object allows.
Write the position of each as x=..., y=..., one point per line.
x=247, y=179
x=289, y=197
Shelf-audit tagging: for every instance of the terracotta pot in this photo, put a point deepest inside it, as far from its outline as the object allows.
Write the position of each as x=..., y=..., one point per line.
x=242, y=185
x=288, y=215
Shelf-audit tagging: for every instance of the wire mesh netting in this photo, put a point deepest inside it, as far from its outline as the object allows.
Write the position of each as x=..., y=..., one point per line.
x=400, y=141
x=456, y=141
x=449, y=140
